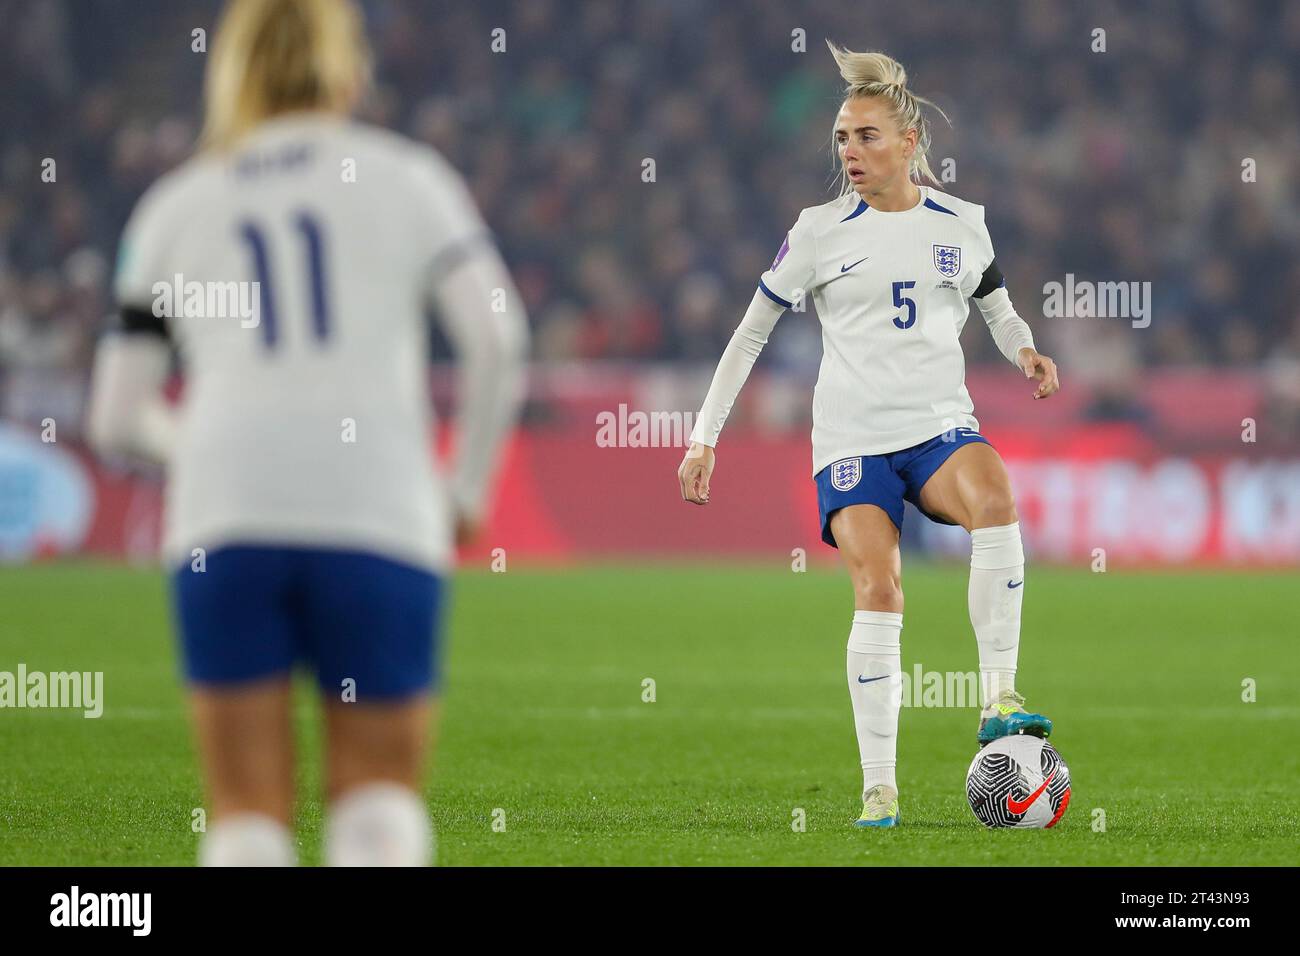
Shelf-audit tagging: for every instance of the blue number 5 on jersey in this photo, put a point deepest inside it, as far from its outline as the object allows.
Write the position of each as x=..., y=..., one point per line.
x=902, y=301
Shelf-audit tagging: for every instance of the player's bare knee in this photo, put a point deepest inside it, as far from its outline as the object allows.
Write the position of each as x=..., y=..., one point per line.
x=883, y=593
x=992, y=511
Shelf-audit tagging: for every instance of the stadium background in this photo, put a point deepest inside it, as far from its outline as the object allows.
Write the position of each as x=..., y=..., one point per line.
x=1118, y=166
x=1125, y=165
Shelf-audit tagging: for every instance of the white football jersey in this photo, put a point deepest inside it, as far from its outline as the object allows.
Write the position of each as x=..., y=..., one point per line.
x=891, y=291
x=309, y=423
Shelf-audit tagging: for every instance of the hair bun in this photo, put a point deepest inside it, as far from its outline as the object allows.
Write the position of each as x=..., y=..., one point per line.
x=876, y=74
x=864, y=69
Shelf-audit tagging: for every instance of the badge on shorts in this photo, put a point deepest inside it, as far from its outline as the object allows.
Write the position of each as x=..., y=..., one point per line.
x=947, y=259
x=846, y=474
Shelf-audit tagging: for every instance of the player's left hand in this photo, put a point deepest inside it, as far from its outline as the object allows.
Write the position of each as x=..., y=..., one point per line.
x=1042, y=368
x=694, y=473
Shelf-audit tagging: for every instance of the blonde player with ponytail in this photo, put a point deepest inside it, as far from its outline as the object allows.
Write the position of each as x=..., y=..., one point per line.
x=892, y=265
x=306, y=523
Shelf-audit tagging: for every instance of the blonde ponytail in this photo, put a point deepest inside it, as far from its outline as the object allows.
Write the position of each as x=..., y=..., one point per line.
x=878, y=75
x=274, y=56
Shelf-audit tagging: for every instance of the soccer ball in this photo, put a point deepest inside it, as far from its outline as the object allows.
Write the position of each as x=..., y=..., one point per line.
x=1018, y=781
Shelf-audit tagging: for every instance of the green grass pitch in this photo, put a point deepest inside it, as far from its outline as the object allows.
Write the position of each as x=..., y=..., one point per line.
x=546, y=731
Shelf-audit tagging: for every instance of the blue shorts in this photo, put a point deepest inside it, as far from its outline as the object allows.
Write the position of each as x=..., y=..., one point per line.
x=886, y=480
x=256, y=611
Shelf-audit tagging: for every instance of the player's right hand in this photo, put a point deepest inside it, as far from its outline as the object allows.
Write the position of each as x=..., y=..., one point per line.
x=468, y=531
x=694, y=473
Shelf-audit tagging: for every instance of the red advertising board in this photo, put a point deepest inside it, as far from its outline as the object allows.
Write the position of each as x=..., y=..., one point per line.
x=561, y=496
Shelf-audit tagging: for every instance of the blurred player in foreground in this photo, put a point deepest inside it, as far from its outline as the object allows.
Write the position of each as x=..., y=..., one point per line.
x=892, y=265
x=305, y=518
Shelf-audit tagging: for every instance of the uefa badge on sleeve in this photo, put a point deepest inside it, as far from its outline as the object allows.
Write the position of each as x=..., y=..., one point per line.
x=846, y=474
x=947, y=259
x=780, y=253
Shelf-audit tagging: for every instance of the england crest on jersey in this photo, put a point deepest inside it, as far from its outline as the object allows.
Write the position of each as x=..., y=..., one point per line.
x=947, y=259
x=846, y=474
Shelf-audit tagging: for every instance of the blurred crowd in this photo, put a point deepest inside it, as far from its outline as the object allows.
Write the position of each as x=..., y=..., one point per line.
x=641, y=162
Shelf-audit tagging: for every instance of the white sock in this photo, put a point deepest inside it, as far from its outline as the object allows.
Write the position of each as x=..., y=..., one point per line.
x=874, y=653
x=997, y=589
x=247, y=839
x=379, y=824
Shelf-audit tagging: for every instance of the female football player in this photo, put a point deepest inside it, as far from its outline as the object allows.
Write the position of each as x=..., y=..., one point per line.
x=891, y=264
x=305, y=518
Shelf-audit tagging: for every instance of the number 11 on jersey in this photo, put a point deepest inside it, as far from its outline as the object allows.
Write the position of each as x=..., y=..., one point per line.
x=310, y=230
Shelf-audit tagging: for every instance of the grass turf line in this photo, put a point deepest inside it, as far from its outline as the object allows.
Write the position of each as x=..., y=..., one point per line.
x=1142, y=672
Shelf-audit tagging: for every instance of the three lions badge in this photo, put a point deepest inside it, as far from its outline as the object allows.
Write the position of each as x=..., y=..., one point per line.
x=846, y=474
x=947, y=259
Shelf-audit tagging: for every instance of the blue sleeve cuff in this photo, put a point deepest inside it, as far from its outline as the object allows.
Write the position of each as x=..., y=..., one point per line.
x=774, y=297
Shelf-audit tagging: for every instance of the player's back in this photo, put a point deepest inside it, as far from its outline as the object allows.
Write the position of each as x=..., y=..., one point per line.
x=306, y=410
